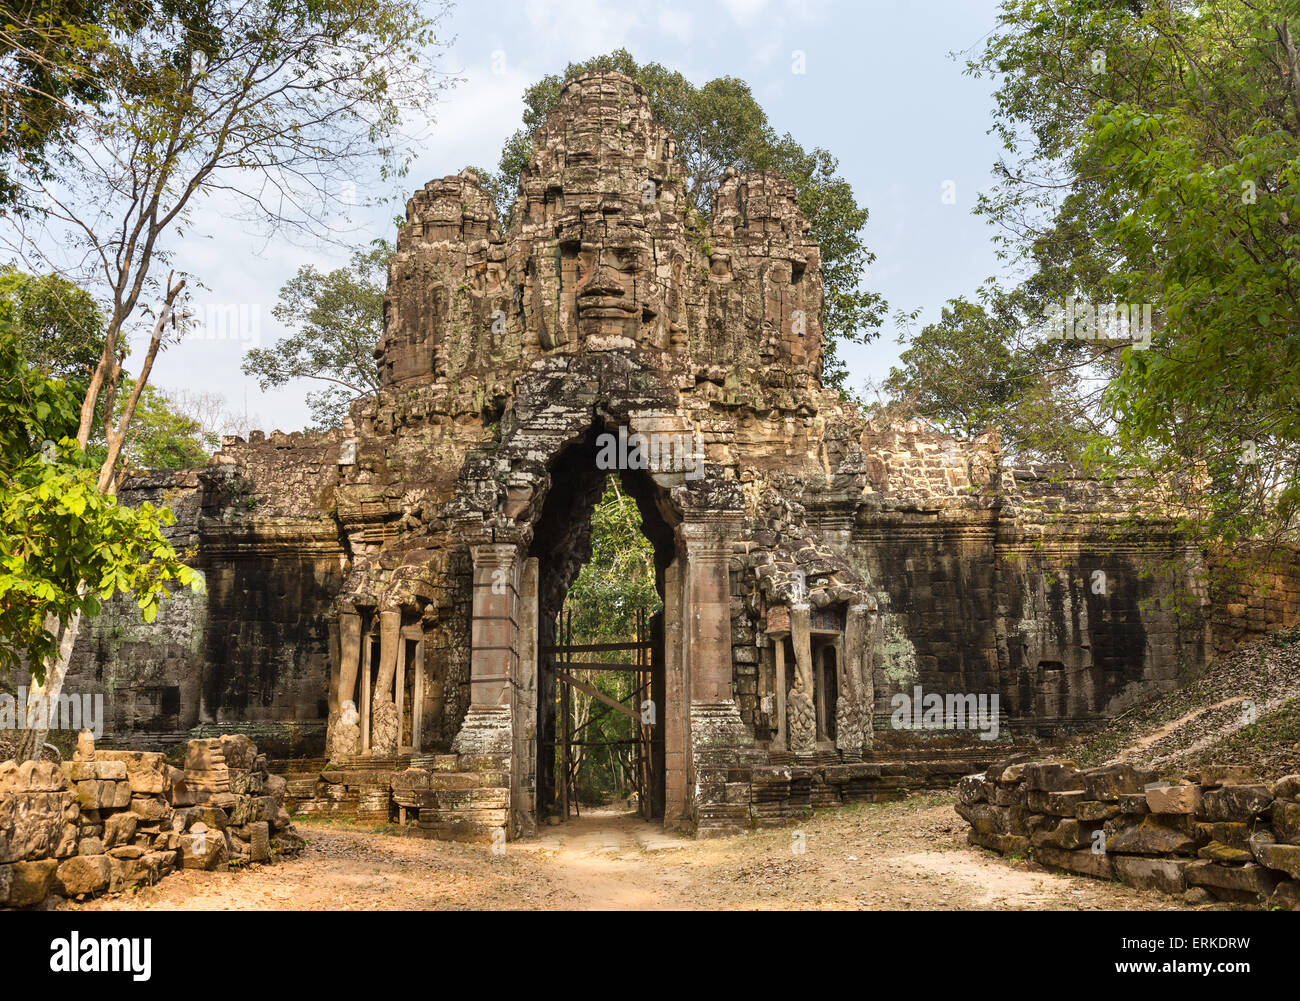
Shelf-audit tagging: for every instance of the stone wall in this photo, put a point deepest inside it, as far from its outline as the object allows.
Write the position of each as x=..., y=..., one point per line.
x=109, y=820
x=1217, y=834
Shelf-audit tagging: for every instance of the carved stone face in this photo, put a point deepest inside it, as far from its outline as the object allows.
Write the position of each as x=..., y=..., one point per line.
x=605, y=292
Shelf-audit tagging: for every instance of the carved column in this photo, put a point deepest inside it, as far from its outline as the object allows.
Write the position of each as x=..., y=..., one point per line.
x=675, y=712
x=494, y=653
x=853, y=714
x=708, y=607
x=717, y=732
x=345, y=733
x=801, y=709
x=385, y=726
x=523, y=774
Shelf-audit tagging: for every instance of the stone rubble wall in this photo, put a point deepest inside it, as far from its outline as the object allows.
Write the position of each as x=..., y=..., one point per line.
x=1263, y=598
x=452, y=797
x=107, y=820
x=1217, y=834
x=460, y=797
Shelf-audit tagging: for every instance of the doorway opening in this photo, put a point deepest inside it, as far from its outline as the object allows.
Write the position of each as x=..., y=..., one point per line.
x=602, y=545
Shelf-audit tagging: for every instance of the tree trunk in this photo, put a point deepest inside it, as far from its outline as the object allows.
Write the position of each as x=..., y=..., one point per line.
x=42, y=698
x=47, y=694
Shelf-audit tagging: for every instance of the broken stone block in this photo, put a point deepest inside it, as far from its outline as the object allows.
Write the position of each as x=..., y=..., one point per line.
x=1165, y=875
x=150, y=808
x=238, y=751
x=1243, y=883
x=259, y=841
x=1066, y=834
x=1287, y=787
x=1085, y=862
x=1106, y=783
x=1286, y=897
x=1003, y=844
x=1286, y=822
x=1150, y=838
x=1233, y=835
x=83, y=875
x=1283, y=858
x=1051, y=776
x=1236, y=802
x=203, y=849
x=120, y=828
x=110, y=771
x=275, y=786
x=1217, y=775
x=30, y=882
x=1133, y=803
x=1092, y=809
x=970, y=788
x=1165, y=798
x=1220, y=852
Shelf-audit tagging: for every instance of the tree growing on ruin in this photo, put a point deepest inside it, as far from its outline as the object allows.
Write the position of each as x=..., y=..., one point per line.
x=269, y=111
x=718, y=125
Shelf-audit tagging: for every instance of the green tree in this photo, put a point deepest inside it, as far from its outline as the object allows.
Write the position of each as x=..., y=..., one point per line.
x=986, y=364
x=161, y=437
x=65, y=546
x=336, y=320
x=1153, y=150
x=58, y=324
x=719, y=125
x=281, y=106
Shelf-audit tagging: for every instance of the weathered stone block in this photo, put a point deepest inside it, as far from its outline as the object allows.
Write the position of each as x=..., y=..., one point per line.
x=30, y=882
x=1150, y=837
x=83, y=874
x=1165, y=875
x=1085, y=862
x=1184, y=798
x=1236, y=802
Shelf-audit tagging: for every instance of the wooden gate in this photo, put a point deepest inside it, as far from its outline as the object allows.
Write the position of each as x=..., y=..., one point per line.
x=573, y=674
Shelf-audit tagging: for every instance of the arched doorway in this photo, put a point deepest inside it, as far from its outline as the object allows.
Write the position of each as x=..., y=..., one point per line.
x=561, y=544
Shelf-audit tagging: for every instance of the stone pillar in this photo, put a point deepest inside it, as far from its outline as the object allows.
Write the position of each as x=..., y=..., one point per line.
x=345, y=733
x=495, y=628
x=674, y=713
x=781, y=728
x=708, y=607
x=853, y=713
x=523, y=772
x=717, y=733
x=494, y=653
x=801, y=724
x=385, y=727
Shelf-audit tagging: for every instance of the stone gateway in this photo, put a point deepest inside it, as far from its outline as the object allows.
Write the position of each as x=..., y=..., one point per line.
x=386, y=594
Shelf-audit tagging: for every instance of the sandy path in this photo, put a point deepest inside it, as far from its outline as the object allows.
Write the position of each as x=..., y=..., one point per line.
x=909, y=855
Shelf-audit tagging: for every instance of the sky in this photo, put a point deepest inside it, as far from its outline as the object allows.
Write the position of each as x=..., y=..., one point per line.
x=882, y=87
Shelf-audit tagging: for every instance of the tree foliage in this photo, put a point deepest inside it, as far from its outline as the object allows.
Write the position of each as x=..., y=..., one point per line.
x=65, y=547
x=336, y=319
x=1150, y=157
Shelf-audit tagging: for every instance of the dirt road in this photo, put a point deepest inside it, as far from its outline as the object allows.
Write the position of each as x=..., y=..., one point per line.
x=909, y=855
